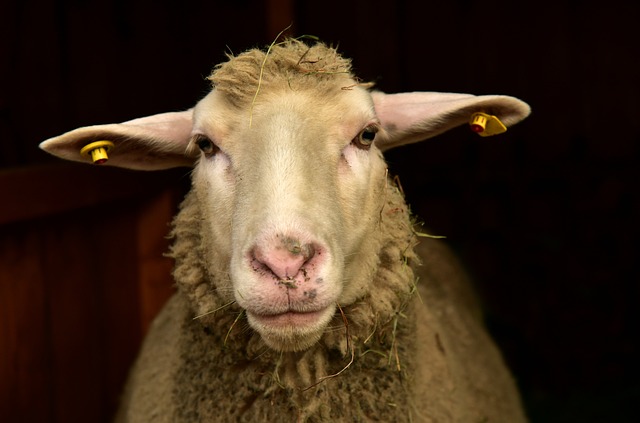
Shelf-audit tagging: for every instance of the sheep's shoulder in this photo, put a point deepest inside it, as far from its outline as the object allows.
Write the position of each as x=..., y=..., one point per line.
x=462, y=376
x=148, y=393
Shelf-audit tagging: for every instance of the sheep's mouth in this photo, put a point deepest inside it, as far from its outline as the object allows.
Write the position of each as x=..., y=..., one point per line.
x=290, y=319
x=291, y=330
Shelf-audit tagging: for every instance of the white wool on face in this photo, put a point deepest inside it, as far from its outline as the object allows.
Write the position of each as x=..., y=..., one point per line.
x=292, y=172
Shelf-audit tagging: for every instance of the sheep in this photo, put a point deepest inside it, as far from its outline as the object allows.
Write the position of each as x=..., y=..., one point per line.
x=306, y=290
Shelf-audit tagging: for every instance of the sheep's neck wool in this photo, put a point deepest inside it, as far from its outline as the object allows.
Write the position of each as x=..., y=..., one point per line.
x=374, y=346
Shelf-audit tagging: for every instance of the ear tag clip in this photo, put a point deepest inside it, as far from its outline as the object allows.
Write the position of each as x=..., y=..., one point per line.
x=486, y=125
x=97, y=151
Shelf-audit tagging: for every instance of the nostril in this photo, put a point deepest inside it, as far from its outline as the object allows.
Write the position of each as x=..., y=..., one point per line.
x=285, y=259
x=295, y=248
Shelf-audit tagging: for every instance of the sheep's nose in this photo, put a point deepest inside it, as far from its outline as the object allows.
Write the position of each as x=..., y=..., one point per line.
x=284, y=258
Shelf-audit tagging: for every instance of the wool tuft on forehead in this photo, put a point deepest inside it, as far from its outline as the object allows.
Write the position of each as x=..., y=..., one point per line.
x=290, y=64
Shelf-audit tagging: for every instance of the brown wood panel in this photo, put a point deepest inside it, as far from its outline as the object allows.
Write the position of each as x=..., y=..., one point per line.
x=38, y=191
x=71, y=309
x=76, y=323
x=119, y=267
x=25, y=367
x=154, y=278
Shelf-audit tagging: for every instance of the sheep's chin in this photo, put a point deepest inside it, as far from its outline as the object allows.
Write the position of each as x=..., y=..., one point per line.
x=291, y=331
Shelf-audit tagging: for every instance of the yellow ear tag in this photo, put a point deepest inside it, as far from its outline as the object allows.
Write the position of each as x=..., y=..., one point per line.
x=486, y=125
x=97, y=151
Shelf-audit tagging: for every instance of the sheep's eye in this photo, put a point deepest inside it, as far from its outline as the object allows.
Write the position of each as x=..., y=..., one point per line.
x=366, y=137
x=206, y=145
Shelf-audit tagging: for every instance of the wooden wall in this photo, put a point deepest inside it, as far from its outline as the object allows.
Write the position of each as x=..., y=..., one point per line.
x=82, y=274
x=545, y=216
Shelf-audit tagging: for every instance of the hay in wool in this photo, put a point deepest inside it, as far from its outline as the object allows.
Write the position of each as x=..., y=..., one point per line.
x=291, y=65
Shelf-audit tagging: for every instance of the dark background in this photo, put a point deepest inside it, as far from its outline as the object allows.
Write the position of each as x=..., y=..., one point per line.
x=545, y=216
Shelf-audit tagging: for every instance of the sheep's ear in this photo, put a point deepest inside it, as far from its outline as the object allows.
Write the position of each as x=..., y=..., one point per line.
x=413, y=117
x=148, y=143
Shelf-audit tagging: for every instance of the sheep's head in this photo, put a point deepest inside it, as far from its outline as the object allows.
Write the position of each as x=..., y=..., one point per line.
x=288, y=176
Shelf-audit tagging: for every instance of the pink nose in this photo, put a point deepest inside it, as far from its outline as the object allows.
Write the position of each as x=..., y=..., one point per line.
x=285, y=258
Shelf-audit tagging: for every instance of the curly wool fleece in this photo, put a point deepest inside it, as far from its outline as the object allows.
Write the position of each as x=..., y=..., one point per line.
x=220, y=350
x=292, y=65
x=401, y=357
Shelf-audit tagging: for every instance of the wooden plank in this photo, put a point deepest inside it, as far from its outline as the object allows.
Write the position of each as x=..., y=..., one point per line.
x=38, y=191
x=91, y=263
x=120, y=302
x=75, y=319
x=25, y=363
x=155, y=278
x=71, y=313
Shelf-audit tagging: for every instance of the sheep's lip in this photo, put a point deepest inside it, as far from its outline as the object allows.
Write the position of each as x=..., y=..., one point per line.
x=290, y=318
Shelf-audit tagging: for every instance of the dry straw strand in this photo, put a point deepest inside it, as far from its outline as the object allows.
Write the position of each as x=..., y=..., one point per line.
x=264, y=61
x=213, y=311
x=232, y=326
x=426, y=235
x=349, y=347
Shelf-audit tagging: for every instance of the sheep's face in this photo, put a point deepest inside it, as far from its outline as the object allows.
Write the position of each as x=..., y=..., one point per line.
x=291, y=189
